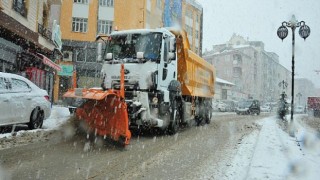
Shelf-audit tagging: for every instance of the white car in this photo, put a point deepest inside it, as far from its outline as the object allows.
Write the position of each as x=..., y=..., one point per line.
x=299, y=110
x=222, y=107
x=22, y=102
x=265, y=108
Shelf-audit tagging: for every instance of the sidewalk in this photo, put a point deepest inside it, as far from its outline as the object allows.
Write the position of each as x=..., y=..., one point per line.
x=272, y=154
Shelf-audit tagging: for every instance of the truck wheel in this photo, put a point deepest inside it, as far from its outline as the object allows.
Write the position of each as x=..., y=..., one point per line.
x=208, y=117
x=174, y=124
x=175, y=118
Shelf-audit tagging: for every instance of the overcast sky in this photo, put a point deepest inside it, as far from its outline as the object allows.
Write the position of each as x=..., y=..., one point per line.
x=259, y=20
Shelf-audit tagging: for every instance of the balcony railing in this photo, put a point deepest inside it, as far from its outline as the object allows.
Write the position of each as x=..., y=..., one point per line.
x=47, y=34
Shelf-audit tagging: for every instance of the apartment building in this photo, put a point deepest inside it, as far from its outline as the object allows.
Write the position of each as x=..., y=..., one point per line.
x=192, y=23
x=27, y=45
x=255, y=72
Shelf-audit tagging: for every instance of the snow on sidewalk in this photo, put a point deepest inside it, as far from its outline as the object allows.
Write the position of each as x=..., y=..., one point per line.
x=272, y=154
x=59, y=115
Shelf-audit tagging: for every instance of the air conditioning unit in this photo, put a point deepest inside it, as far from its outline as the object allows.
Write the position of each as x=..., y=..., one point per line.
x=67, y=55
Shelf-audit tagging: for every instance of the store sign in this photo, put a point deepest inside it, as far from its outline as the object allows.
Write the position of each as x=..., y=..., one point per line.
x=66, y=70
x=49, y=63
x=56, y=35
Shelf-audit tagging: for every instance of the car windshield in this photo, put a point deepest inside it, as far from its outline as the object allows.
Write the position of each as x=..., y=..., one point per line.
x=126, y=46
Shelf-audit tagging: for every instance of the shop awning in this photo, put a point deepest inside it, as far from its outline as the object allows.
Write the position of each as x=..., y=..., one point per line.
x=48, y=62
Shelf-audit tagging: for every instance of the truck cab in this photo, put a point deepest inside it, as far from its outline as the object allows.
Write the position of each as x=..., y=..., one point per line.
x=149, y=58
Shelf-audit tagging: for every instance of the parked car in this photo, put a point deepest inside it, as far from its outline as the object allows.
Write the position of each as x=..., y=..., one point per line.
x=248, y=107
x=230, y=105
x=265, y=108
x=299, y=110
x=22, y=102
x=222, y=107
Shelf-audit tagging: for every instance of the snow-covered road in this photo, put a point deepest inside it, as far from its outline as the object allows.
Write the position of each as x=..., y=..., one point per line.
x=240, y=147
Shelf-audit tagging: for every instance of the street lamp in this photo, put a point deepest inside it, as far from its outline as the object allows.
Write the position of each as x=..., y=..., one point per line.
x=282, y=33
x=284, y=84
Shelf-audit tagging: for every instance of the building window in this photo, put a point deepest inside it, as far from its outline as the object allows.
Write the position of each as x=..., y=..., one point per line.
x=224, y=94
x=80, y=55
x=189, y=30
x=108, y=3
x=189, y=13
x=81, y=1
x=104, y=27
x=86, y=55
x=159, y=4
x=237, y=72
x=91, y=55
x=20, y=6
x=237, y=59
x=79, y=24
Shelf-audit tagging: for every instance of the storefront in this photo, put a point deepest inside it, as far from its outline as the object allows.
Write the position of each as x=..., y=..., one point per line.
x=39, y=69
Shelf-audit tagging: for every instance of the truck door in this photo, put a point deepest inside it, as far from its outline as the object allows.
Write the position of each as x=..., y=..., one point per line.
x=167, y=68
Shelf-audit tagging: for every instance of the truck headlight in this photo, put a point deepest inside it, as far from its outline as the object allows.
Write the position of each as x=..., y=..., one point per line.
x=155, y=100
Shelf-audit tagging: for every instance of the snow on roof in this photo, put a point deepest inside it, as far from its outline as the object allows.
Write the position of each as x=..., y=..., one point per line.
x=241, y=46
x=218, y=80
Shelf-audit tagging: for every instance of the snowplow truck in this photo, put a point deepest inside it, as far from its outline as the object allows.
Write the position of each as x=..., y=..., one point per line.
x=164, y=84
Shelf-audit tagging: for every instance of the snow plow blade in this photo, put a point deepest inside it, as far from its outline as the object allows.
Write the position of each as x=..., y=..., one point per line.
x=105, y=113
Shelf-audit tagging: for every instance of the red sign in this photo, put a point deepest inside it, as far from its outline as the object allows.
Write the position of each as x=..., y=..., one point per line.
x=48, y=62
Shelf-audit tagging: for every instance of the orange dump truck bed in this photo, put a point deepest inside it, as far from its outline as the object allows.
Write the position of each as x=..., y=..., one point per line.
x=197, y=76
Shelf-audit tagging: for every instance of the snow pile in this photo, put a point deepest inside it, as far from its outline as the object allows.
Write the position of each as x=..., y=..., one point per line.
x=59, y=115
x=272, y=154
x=20, y=134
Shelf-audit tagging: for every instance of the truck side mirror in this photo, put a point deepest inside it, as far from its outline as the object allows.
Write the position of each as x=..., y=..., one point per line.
x=109, y=56
x=172, y=44
x=140, y=55
x=99, y=52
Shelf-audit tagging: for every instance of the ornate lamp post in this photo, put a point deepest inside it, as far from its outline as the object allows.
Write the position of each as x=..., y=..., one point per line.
x=282, y=32
x=284, y=84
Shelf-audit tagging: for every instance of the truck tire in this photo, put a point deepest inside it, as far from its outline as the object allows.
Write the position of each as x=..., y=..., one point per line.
x=208, y=117
x=175, y=118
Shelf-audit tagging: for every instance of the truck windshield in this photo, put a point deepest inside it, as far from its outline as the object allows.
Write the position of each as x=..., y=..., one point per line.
x=245, y=104
x=126, y=46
